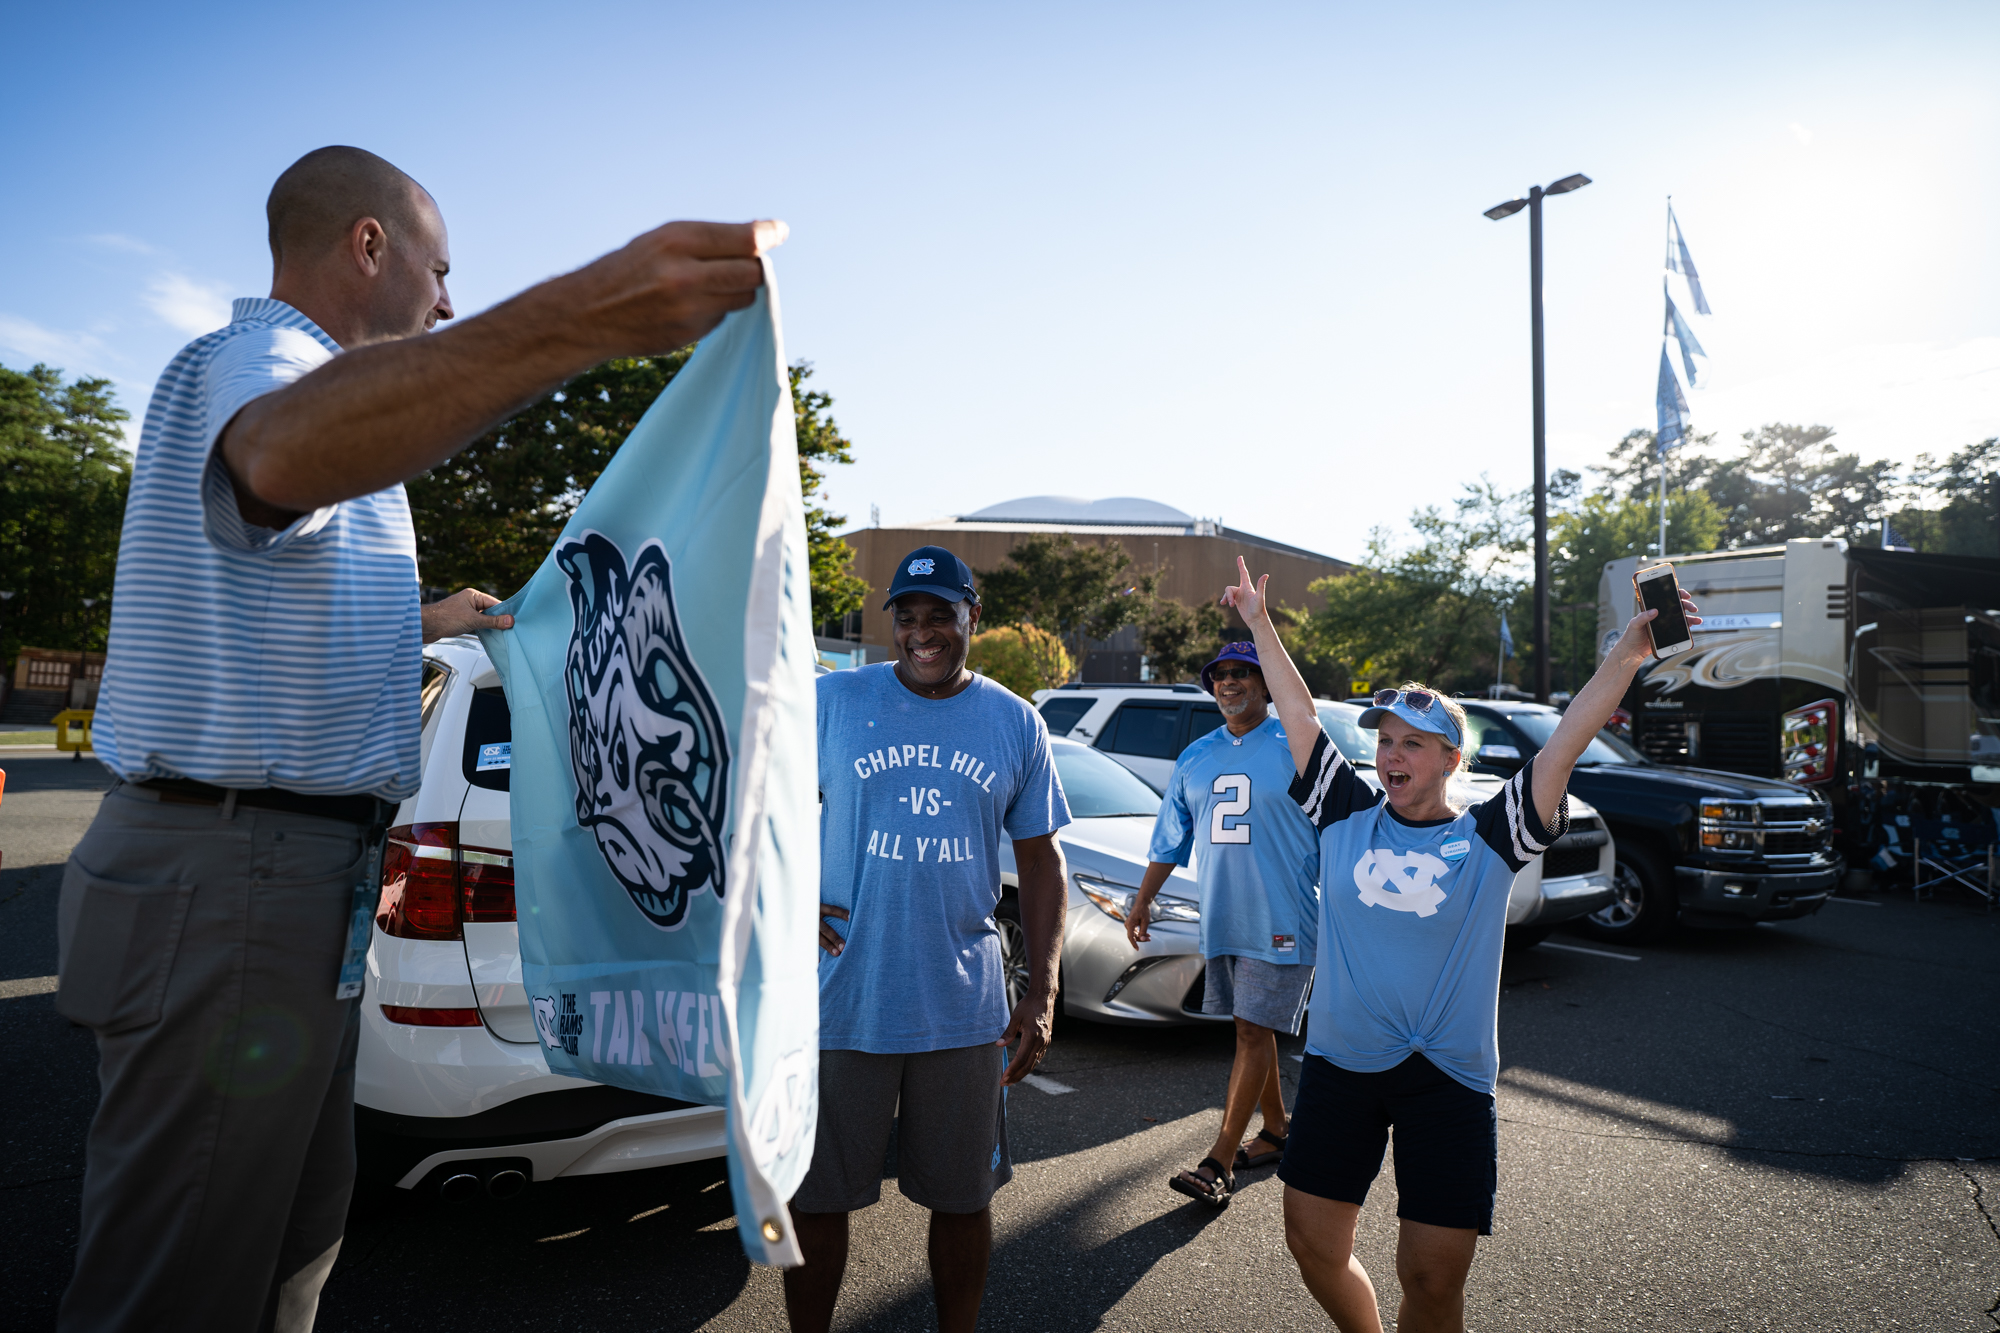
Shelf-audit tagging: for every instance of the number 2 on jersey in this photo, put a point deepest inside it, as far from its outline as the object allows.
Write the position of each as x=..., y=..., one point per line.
x=1236, y=807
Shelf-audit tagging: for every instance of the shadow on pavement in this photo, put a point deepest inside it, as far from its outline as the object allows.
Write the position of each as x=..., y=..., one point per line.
x=1846, y=1045
x=587, y=1253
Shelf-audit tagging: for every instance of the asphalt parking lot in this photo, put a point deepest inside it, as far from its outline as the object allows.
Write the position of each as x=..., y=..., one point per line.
x=1795, y=1127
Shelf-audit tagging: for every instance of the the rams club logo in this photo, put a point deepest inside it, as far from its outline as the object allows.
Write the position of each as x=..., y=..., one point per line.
x=926, y=566
x=1400, y=881
x=645, y=738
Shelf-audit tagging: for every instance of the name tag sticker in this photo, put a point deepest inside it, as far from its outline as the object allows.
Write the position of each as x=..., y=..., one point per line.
x=1456, y=848
x=498, y=755
x=1283, y=943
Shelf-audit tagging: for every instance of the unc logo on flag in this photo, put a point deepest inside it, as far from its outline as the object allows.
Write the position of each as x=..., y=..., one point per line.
x=1400, y=881
x=647, y=745
x=923, y=566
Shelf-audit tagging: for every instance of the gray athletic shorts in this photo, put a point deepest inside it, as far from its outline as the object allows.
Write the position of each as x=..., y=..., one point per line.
x=951, y=1130
x=1271, y=995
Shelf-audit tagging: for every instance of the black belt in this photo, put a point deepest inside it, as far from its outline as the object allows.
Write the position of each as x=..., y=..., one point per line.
x=364, y=810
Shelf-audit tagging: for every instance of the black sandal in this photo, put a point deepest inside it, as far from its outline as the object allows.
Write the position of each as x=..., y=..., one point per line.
x=1245, y=1162
x=1214, y=1193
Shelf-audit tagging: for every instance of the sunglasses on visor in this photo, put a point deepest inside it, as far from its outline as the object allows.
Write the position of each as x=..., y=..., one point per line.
x=1420, y=700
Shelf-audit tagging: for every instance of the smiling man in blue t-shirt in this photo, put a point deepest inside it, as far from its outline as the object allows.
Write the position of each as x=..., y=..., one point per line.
x=923, y=765
x=1257, y=862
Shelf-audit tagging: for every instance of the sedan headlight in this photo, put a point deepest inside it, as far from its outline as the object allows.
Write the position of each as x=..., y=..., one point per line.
x=1115, y=901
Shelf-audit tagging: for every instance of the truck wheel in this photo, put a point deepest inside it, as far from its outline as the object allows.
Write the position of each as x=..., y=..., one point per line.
x=1644, y=908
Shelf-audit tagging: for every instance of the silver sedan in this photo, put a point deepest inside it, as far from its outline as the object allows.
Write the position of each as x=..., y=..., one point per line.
x=1105, y=979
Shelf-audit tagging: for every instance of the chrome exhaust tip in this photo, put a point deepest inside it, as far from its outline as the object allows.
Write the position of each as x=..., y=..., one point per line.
x=505, y=1184
x=458, y=1187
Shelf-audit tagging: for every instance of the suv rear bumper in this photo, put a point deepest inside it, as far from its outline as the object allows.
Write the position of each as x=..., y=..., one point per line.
x=571, y=1132
x=1751, y=896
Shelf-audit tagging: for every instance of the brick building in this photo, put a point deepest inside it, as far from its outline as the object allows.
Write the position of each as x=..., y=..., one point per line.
x=1197, y=555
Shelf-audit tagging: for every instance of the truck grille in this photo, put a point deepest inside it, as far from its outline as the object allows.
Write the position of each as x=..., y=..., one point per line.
x=1570, y=861
x=1737, y=742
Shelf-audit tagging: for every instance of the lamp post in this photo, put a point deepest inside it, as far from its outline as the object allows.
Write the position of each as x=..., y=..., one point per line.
x=1533, y=203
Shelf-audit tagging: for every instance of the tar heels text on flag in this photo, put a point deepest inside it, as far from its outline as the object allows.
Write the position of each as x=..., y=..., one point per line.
x=664, y=775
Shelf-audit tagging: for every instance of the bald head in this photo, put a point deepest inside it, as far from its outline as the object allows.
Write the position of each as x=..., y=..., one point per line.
x=316, y=203
x=358, y=247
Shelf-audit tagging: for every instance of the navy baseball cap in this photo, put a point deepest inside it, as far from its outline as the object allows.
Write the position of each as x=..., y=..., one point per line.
x=934, y=570
x=1231, y=652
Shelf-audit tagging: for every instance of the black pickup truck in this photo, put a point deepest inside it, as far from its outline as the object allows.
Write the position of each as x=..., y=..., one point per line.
x=1708, y=848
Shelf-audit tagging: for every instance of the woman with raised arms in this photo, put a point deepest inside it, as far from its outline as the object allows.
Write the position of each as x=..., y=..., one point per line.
x=1401, y=1029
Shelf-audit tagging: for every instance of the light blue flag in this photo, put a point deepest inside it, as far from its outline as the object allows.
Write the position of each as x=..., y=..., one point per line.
x=1681, y=262
x=665, y=810
x=1676, y=325
x=1673, y=408
x=1506, y=638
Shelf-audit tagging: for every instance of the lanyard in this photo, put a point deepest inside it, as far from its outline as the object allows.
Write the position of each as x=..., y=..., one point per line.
x=367, y=889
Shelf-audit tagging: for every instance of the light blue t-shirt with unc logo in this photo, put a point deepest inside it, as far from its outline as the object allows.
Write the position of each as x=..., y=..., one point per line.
x=1256, y=856
x=916, y=795
x=1413, y=920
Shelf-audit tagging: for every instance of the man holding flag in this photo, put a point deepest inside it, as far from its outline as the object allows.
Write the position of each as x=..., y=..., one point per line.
x=267, y=507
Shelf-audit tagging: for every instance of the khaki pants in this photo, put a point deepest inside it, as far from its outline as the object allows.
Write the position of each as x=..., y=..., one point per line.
x=202, y=945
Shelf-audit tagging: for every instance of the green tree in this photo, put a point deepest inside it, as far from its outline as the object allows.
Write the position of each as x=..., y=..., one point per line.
x=835, y=592
x=1784, y=482
x=1952, y=507
x=488, y=516
x=1021, y=657
x=1075, y=591
x=1429, y=611
x=1178, y=639
x=1598, y=529
x=64, y=476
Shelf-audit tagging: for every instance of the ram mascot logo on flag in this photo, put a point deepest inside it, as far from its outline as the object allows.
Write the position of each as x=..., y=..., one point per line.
x=645, y=740
x=664, y=777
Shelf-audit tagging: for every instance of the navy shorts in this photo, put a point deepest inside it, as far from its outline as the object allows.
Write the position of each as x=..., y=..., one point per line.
x=1447, y=1141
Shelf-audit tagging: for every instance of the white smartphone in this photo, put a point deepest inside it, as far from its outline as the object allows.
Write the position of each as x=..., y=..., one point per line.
x=1659, y=591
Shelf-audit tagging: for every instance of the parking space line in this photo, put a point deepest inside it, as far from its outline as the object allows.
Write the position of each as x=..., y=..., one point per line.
x=19, y=986
x=1858, y=902
x=1578, y=948
x=1048, y=1085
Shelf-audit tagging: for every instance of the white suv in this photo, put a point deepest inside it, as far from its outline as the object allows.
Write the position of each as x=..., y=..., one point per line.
x=451, y=1087
x=1145, y=728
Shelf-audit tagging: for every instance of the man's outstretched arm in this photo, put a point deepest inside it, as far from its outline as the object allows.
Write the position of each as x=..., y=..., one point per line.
x=384, y=413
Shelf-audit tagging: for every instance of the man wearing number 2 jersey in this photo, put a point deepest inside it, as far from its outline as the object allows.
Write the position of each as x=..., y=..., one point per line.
x=1256, y=857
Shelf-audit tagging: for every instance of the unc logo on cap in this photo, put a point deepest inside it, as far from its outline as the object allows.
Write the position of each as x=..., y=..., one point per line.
x=924, y=566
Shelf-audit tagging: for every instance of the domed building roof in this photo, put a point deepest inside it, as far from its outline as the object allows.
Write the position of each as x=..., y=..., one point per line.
x=1119, y=510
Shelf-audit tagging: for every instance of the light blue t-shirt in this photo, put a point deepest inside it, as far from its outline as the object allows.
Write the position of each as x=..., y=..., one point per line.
x=916, y=792
x=1413, y=919
x=1259, y=862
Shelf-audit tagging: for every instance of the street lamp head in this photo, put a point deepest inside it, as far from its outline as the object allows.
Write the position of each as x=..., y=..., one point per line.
x=1568, y=183
x=1506, y=210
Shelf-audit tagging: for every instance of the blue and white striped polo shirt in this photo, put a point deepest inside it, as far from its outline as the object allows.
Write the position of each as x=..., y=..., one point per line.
x=250, y=657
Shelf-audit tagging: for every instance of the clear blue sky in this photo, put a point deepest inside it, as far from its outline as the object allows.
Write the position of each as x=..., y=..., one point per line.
x=1230, y=258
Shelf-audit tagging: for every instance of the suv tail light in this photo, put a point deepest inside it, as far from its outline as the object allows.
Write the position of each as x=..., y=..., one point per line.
x=1809, y=742
x=432, y=886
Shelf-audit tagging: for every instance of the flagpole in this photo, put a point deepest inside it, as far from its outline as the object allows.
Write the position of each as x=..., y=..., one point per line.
x=1663, y=504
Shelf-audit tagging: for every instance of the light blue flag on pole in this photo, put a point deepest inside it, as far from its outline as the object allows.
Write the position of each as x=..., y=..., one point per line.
x=1506, y=638
x=1673, y=408
x=1676, y=325
x=665, y=779
x=1681, y=262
